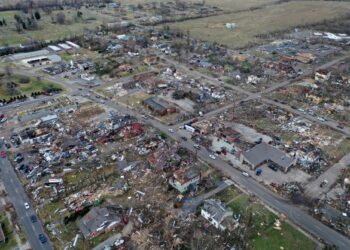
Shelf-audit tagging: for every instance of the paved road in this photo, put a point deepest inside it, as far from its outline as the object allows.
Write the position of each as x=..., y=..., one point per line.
x=18, y=197
x=251, y=96
x=329, y=123
x=331, y=175
x=295, y=214
x=191, y=204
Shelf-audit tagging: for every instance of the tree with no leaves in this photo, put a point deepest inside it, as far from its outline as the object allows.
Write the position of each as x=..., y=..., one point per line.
x=61, y=18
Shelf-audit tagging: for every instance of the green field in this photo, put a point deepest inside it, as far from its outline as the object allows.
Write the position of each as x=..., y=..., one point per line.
x=47, y=30
x=289, y=238
x=8, y=231
x=251, y=24
x=262, y=234
x=35, y=85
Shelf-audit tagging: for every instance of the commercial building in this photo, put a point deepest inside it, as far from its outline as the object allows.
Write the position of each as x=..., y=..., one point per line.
x=264, y=153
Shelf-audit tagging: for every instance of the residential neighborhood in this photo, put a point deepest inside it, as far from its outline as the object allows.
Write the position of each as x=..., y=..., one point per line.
x=174, y=124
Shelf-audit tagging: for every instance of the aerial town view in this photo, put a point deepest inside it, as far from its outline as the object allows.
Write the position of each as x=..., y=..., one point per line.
x=174, y=124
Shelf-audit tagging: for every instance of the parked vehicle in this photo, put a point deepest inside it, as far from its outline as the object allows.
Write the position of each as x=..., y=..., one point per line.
x=3, y=154
x=323, y=183
x=258, y=172
x=245, y=174
x=273, y=167
x=33, y=218
x=26, y=205
x=42, y=238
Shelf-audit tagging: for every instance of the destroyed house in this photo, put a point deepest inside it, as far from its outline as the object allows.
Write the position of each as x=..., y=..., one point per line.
x=49, y=119
x=132, y=130
x=322, y=75
x=164, y=158
x=29, y=134
x=216, y=213
x=229, y=134
x=98, y=221
x=158, y=106
x=185, y=179
x=264, y=153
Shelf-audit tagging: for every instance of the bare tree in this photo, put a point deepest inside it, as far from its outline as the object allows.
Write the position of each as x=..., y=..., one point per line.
x=60, y=18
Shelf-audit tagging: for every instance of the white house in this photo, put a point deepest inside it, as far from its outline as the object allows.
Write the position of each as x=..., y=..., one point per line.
x=216, y=212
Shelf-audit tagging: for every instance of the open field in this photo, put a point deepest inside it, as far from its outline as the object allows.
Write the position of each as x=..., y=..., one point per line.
x=47, y=30
x=227, y=5
x=251, y=24
x=35, y=85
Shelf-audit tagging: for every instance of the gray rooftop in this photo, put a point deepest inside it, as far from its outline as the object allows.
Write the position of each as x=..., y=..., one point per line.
x=96, y=219
x=217, y=209
x=264, y=152
x=21, y=56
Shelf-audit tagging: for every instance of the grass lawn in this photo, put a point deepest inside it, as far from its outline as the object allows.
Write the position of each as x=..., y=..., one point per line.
x=339, y=150
x=240, y=204
x=66, y=56
x=265, y=124
x=135, y=100
x=228, y=194
x=34, y=85
x=289, y=238
x=8, y=231
x=264, y=236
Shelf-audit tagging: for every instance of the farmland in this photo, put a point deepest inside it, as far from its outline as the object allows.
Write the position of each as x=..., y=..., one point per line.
x=227, y=5
x=48, y=29
x=252, y=24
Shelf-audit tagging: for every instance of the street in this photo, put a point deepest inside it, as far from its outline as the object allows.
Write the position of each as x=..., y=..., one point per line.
x=18, y=197
x=294, y=213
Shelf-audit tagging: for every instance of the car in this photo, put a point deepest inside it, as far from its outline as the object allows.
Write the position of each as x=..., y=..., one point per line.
x=212, y=156
x=340, y=126
x=171, y=130
x=183, y=138
x=258, y=172
x=196, y=146
x=321, y=119
x=245, y=174
x=26, y=205
x=3, y=154
x=273, y=167
x=42, y=238
x=33, y=218
x=293, y=107
x=323, y=183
